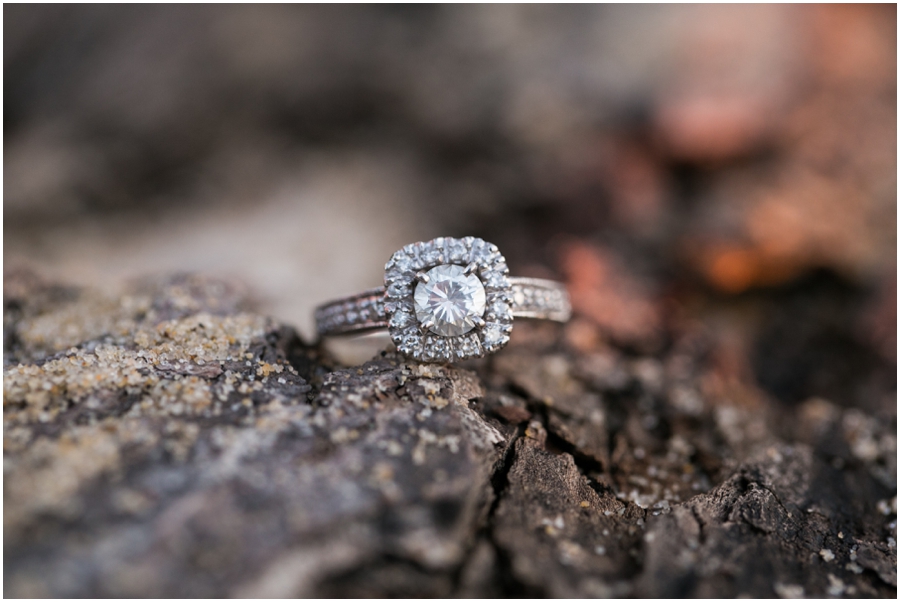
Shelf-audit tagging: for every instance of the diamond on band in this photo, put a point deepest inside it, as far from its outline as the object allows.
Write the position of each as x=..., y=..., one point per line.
x=445, y=300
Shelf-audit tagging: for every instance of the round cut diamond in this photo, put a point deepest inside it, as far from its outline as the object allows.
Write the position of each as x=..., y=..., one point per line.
x=450, y=302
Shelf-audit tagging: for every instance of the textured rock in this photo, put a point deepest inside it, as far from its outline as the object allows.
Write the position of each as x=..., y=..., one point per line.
x=170, y=442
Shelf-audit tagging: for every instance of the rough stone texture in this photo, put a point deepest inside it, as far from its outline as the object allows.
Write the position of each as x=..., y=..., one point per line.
x=717, y=186
x=170, y=442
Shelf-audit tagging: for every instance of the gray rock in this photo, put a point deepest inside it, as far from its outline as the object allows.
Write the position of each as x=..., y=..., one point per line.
x=168, y=442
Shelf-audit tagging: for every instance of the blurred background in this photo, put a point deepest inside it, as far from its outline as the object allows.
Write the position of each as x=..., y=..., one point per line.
x=731, y=169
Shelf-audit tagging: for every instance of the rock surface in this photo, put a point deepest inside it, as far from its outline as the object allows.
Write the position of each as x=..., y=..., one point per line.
x=171, y=442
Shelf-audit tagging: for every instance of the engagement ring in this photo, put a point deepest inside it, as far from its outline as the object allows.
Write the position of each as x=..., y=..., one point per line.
x=448, y=299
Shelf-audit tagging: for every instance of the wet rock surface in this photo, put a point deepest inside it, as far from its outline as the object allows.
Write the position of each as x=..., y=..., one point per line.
x=169, y=441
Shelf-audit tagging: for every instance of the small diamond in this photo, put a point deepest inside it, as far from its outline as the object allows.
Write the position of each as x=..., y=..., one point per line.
x=428, y=253
x=495, y=336
x=401, y=262
x=436, y=348
x=456, y=250
x=450, y=299
x=397, y=289
x=468, y=346
x=401, y=319
x=479, y=252
x=496, y=280
x=396, y=274
x=519, y=296
x=492, y=335
x=499, y=308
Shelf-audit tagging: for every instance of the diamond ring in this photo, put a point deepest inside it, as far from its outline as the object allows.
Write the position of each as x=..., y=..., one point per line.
x=448, y=299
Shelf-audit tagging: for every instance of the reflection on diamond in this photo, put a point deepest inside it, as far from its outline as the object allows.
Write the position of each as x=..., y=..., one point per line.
x=450, y=301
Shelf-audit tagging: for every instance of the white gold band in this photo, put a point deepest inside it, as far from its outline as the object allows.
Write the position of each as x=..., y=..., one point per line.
x=534, y=298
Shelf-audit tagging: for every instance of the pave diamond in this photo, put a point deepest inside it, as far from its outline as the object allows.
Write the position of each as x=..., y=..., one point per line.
x=450, y=302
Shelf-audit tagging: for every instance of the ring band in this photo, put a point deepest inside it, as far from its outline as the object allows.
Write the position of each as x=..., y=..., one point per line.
x=446, y=299
x=531, y=298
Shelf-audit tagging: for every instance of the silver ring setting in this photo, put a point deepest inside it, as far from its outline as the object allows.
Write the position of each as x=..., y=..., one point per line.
x=445, y=300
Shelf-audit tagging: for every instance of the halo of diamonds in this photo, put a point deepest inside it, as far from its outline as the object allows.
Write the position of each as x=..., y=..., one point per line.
x=410, y=337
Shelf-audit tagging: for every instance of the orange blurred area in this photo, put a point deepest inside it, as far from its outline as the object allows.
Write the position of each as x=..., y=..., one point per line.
x=604, y=292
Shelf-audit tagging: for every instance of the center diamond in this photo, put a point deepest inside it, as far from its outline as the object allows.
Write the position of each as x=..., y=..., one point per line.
x=450, y=303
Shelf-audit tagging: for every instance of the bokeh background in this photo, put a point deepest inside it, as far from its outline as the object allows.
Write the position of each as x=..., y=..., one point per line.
x=727, y=168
